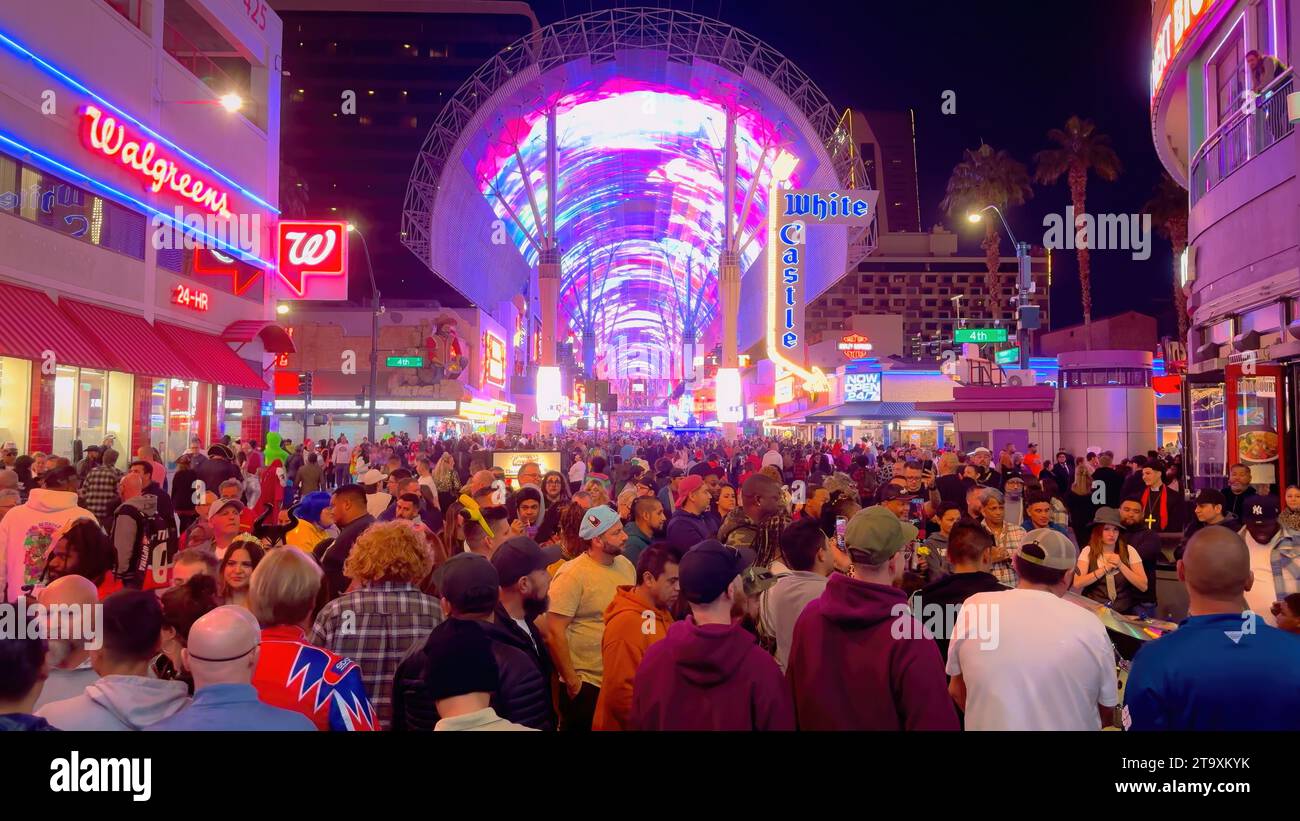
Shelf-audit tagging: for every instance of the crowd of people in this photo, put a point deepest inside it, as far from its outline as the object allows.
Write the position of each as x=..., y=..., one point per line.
x=656, y=583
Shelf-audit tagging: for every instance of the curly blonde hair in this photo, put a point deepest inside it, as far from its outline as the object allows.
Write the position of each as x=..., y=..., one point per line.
x=596, y=490
x=388, y=552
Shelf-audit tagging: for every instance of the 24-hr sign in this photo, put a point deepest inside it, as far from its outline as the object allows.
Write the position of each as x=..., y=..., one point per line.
x=313, y=260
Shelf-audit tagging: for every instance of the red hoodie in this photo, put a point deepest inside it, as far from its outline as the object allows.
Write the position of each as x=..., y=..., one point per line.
x=710, y=677
x=848, y=672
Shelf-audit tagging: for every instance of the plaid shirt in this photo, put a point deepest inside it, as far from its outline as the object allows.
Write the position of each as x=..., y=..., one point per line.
x=375, y=626
x=99, y=490
x=1011, y=538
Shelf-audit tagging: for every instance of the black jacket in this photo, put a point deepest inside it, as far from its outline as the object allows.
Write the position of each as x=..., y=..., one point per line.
x=215, y=471
x=523, y=694
x=1114, y=484
x=1147, y=543
x=332, y=563
x=1064, y=477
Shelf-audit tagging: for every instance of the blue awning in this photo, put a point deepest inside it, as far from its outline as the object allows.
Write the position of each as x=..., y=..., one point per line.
x=876, y=412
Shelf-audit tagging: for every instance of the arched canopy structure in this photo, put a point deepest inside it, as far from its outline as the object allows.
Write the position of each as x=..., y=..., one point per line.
x=641, y=100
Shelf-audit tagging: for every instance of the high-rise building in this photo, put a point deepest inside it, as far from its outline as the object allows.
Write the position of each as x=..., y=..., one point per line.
x=887, y=142
x=915, y=274
x=365, y=81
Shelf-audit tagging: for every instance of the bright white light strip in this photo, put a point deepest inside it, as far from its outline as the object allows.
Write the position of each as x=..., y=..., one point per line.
x=351, y=405
x=727, y=392
x=234, y=404
x=550, y=398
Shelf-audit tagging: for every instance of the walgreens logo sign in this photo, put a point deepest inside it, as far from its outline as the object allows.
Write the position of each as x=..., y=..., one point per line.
x=313, y=260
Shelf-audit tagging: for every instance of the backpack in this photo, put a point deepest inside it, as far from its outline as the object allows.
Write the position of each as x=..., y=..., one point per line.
x=154, y=548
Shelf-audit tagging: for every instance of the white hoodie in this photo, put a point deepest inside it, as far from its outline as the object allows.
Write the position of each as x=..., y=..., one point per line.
x=25, y=535
x=118, y=703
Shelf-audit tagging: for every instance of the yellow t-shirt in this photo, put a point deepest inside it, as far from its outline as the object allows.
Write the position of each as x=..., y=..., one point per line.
x=582, y=589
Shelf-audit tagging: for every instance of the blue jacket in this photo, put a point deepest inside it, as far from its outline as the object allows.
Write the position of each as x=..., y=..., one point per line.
x=232, y=707
x=1216, y=672
x=636, y=542
x=686, y=530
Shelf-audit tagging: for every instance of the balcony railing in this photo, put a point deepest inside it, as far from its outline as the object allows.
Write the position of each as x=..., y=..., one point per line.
x=1242, y=137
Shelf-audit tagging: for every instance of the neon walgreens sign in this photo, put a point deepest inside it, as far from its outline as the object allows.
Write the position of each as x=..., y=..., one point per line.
x=112, y=139
x=1171, y=36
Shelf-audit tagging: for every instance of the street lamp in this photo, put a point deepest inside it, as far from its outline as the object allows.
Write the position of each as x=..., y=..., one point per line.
x=1024, y=280
x=374, y=331
x=282, y=309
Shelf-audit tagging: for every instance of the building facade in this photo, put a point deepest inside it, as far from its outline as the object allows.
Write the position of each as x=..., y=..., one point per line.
x=117, y=323
x=366, y=80
x=1220, y=78
x=921, y=277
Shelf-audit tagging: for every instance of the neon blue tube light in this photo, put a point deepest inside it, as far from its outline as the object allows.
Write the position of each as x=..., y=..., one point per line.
x=50, y=69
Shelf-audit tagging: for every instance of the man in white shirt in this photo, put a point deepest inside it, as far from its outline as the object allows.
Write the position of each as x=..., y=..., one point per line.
x=376, y=499
x=1027, y=659
x=577, y=472
x=1274, y=556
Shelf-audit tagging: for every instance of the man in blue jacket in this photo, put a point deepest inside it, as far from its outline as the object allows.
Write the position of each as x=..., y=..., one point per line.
x=1224, y=668
x=689, y=526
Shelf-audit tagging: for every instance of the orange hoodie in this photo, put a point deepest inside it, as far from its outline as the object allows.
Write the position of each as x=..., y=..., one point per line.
x=629, y=632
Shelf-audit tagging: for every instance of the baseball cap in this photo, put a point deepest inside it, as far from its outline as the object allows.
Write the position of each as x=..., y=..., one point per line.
x=218, y=449
x=877, y=533
x=596, y=521
x=890, y=492
x=469, y=582
x=518, y=556
x=221, y=504
x=10, y=446
x=372, y=477
x=709, y=568
x=1210, y=496
x=688, y=486
x=676, y=473
x=647, y=482
x=1259, y=509
x=1048, y=548
x=89, y=448
x=460, y=660
x=979, y=451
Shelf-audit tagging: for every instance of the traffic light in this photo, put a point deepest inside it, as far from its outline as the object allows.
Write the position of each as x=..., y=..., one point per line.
x=304, y=382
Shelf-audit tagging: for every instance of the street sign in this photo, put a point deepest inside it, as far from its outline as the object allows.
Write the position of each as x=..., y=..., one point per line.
x=404, y=362
x=979, y=336
x=1010, y=356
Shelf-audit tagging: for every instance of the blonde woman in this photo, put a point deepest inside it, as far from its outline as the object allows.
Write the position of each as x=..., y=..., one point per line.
x=1079, y=499
x=445, y=480
x=596, y=491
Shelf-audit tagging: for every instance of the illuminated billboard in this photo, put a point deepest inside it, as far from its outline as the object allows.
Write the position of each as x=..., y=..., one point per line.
x=312, y=260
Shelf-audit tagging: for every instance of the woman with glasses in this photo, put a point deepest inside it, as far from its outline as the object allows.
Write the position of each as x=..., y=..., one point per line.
x=1110, y=570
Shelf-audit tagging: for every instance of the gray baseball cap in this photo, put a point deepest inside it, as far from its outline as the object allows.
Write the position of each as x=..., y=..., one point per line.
x=1048, y=548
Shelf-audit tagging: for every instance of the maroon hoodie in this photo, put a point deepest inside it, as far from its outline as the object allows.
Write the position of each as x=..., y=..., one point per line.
x=710, y=677
x=849, y=672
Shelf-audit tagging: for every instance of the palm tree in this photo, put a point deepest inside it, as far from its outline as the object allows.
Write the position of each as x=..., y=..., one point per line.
x=294, y=193
x=1080, y=149
x=1168, y=210
x=987, y=176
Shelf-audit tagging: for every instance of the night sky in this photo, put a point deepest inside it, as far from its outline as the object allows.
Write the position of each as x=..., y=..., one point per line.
x=1017, y=71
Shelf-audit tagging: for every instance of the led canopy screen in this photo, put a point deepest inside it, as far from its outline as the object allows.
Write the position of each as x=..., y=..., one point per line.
x=640, y=223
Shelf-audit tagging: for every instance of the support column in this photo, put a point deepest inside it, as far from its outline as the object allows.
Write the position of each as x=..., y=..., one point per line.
x=548, y=292
x=729, y=292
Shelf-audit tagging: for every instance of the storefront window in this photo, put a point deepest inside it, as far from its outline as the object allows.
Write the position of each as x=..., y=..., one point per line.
x=181, y=415
x=65, y=409
x=1265, y=319
x=15, y=395
x=118, y=418
x=91, y=389
x=1209, y=436
x=158, y=414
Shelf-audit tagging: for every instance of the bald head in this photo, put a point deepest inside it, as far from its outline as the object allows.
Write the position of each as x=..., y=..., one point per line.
x=69, y=590
x=223, y=646
x=1216, y=566
x=8, y=479
x=480, y=480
